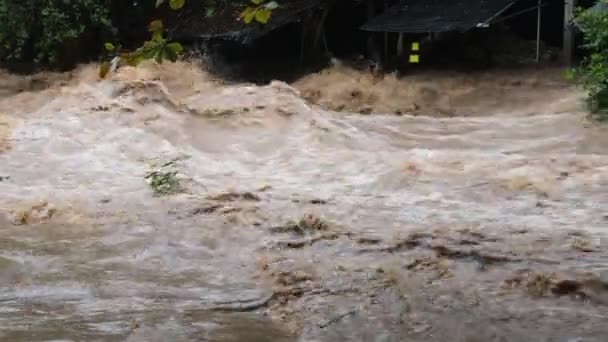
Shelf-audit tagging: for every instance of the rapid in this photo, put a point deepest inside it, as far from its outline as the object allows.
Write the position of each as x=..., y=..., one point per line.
x=343, y=206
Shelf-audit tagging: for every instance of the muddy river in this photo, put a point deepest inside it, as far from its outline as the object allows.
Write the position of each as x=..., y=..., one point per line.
x=164, y=205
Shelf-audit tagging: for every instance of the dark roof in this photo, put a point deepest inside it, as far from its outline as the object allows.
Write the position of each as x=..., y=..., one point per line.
x=226, y=25
x=423, y=16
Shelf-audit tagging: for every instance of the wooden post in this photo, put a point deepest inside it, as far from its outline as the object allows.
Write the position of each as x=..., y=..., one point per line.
x=372, y=49
x=568, y=32
x=386, y=60
x=538, y=20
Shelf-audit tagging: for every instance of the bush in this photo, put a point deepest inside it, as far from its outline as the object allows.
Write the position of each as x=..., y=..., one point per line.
x=593, y=73
x=55, y=32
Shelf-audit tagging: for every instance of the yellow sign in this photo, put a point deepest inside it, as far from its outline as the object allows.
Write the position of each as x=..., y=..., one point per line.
x=414, y=59
x=415, y=46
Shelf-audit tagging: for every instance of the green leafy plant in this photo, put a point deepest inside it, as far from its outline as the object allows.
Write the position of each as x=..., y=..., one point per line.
x=163, y=182
x=158, y=47
x=593, y=73
x=258, y=11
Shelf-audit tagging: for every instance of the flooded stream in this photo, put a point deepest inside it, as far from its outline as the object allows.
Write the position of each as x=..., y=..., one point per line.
x=472, y=211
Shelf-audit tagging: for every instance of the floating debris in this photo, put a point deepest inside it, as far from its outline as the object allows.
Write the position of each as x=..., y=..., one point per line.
x=164, y=182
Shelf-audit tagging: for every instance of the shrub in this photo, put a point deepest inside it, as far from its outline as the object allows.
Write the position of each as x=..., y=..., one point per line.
x=593, y=73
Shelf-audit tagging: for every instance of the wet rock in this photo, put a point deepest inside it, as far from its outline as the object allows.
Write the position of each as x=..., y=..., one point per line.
x=233, y=196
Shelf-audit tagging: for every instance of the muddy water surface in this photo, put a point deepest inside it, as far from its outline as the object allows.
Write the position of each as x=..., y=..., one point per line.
x=297, y=223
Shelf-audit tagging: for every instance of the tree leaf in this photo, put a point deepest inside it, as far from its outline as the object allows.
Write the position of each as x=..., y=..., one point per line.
x=169, y=54
x=151, y=53
x=262, y=15
x=155, y=26
x=109, y=47
x=159, y=2
x=176, y=4
x=272, y=5
x=175, y=47
x=256, y=2
x=245, y=12
x=248, y=15
x=157, y=37
x=135, y=59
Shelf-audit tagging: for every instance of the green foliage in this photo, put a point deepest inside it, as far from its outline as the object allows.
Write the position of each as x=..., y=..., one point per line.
x=157, y=48
x=164, y=182
x=15, y=32
x=593, y=73
x=160, y=48
x=49, y=31
x=63, y=32
x=259, y=11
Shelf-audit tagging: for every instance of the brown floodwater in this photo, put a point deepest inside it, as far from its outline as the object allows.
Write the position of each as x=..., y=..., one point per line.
x=466, y=207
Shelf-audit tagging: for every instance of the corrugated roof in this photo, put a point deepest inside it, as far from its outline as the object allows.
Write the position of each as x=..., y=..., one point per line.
x=423, y=16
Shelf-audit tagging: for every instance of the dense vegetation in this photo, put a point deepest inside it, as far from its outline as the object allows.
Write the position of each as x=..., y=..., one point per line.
x=60, y=33
x=51, y=31
x=593, y=73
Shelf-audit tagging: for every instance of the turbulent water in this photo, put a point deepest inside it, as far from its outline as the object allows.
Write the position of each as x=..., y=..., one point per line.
x=292, y=222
